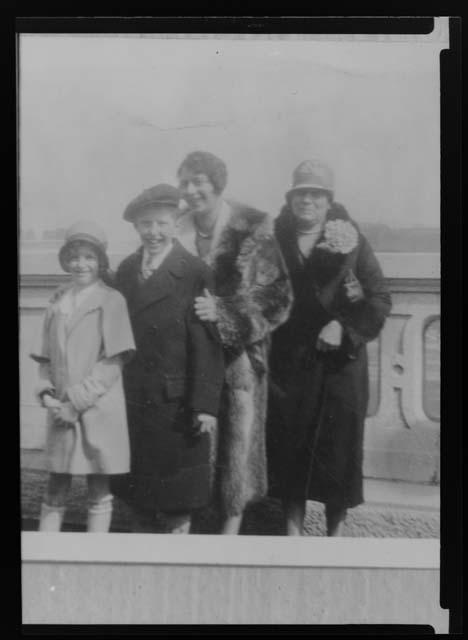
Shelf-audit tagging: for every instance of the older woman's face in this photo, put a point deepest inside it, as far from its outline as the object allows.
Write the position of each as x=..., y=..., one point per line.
x=198, y=191
x=310, y=206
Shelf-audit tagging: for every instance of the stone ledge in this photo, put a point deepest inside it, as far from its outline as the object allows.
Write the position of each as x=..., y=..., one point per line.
x=265, y=518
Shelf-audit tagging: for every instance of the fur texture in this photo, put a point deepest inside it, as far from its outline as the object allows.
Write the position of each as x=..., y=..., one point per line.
x=254, y=296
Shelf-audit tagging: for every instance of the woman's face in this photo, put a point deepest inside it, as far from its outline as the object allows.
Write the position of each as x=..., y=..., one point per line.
x=310, y=206
x=198, y=192
x=83, y=264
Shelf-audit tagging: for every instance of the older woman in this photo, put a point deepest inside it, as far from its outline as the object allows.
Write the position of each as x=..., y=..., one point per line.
x=318, y=358
x=252, y=296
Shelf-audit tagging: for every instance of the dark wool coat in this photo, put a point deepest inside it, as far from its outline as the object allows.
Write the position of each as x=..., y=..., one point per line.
x=178, y=370
x=254, y=296
x=318, y=400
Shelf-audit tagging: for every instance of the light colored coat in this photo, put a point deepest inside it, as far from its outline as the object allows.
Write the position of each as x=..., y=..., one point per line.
x=80, y=358
x=253, y=297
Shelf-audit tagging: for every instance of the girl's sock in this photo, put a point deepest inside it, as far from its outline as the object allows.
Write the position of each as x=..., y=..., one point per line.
x=51, y=517
x=100, y=515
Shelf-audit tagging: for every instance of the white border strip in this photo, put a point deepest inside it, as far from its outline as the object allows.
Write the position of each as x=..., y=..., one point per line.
x=123, y=548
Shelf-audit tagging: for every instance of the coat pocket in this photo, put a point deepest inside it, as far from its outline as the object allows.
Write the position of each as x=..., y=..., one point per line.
x=174, y=386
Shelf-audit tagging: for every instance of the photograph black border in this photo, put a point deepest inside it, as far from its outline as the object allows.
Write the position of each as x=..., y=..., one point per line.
x=451, y=595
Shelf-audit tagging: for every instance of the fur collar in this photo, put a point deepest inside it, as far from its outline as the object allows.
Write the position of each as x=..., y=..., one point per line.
x=249, y=220
x=241, y=218
x=323, y=265
x=244, y=227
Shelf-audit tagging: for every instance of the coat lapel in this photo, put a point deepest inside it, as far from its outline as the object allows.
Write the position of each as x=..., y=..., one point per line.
x=187, y=235
x=328, y=293
x=91, y=303
x=160, y=284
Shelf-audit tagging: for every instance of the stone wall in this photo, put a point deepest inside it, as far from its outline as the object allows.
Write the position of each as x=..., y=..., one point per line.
x=402, y=428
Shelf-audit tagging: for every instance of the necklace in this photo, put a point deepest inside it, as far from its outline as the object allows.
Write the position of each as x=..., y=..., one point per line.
x=204, y=235
x=307, y=233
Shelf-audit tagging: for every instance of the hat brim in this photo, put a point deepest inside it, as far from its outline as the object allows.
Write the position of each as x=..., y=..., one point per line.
x=131, y=212
x=103, y=259
x=307, y=185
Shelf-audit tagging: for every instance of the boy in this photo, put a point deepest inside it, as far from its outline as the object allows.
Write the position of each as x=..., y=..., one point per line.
x=173, y=385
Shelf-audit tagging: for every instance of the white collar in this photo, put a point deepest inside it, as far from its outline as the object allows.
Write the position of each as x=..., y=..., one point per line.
x=154, y=262
x=74, y=297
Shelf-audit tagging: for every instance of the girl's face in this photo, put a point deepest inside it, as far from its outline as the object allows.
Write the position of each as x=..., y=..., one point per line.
x=310, y=206
x=83, y=264
x=198, y=192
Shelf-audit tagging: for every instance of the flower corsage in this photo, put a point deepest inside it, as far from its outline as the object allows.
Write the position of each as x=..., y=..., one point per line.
x=340, y=237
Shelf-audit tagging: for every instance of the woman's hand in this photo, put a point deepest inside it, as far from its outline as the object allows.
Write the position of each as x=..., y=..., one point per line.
x=205, y=307
x=50, y=402
x=330, y=336
x=353, y=289
x=65, y=413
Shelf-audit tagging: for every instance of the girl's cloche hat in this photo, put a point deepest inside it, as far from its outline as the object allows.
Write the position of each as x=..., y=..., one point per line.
x=84, y=231
x=311, y=174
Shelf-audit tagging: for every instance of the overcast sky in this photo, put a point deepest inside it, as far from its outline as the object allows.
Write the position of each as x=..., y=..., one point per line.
x=102, y=118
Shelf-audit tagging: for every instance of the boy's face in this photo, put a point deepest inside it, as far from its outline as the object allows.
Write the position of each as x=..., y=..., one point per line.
x=156, y=227
x=83, y=264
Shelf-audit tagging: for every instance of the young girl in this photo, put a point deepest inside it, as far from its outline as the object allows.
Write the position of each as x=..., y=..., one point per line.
x=86, y=337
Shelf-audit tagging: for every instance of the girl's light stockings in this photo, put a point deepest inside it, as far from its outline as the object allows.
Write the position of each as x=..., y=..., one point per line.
x=100, y=515
x=51, y=518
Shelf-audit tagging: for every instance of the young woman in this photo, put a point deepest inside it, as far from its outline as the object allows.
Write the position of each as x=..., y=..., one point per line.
x=251, y=297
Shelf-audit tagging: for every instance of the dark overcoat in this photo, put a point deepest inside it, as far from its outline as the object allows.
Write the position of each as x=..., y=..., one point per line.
x=178, y=370
x=318, y=400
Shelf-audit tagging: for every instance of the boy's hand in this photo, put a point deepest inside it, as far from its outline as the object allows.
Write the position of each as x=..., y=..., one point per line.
x=205, y=307
x=203, y=423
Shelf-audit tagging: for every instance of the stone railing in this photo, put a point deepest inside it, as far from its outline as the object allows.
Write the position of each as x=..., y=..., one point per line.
x=402, y=428
x=402, y=437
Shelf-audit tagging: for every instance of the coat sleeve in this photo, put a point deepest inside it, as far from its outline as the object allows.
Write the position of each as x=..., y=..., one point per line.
x=103, y=375
x=40, y=349
x=363, y=320
x=44, y=381
x=40, y=353
x=117, y=346
x=264, y=301
x=117, y=332
x=205, y=358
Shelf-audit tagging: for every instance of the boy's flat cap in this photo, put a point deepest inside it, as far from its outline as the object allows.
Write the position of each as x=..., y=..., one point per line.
x=161, y=195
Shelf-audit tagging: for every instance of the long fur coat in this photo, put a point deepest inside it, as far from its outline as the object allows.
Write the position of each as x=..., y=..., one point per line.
x=253, y=296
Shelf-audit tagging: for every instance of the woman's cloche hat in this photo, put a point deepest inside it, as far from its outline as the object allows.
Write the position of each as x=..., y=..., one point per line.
x=85, y=231
x=312, y=174
x=160, y=195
